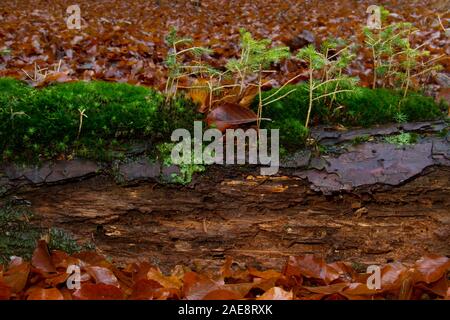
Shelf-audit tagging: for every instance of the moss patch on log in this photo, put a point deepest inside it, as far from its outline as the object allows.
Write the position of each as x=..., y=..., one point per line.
x=361, y=107
x=18, y=235
x=85, y=119
x=99, y=120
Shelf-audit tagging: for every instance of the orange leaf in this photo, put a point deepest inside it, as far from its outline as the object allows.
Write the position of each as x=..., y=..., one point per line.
x=41, y=259
x=5, y=292
x=310, y=267
x=221, y=294
x=431, y=268
x=100, y=291
x=57, y=279
x=276, y=293
x=392, y=275
x=167, y=282
x=197, y=286
x=44, y=294
x=102, y=275
x=267, y=274
x=145, y=290
x=200, y=95
x=229, y=115
x=17, y=275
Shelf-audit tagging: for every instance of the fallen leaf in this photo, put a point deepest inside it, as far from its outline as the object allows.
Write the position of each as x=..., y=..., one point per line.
x=103, y=276
x=276, y=293
x=41, y=259
x=5, y=292
x=16, y=276
x=145, y=290
x=310, y=267
x=431, y=268
x=99, y=291
x=44, y=294
x=166, y=281
x=228, y=115
x=221, y=294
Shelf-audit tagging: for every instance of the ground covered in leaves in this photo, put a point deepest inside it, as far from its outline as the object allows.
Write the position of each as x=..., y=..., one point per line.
x=124, y=40
x=303, y=277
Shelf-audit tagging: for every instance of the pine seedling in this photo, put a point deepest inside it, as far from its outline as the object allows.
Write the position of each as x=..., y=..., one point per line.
x=255, y=56
x=174, y=63
x=318, y=62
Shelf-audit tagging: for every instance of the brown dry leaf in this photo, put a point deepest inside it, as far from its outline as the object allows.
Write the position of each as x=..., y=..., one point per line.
x=44, y=294
x=41, y=259
x=196, y=286
x=57, y=279
x=90, y=258
x=228, y=115
x=330, y=289
x=267, y=274
x=16, y=276
x=91, y=291
x=310, y=267
x=200, y=95
x=248, y=97
x=5, y=292
x=359, y=289
x=145, y=290
x=222, y=294
x=439, y=287
x=168, y=282
x=63, y=260
x=54, y=77
x=276, y=293
x=431, y=268
x=103, y=276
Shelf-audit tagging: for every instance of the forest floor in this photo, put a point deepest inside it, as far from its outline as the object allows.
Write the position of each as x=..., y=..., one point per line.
x=360, y=199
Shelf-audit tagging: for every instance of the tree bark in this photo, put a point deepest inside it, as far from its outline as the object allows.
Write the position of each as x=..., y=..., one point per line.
x=255, y=220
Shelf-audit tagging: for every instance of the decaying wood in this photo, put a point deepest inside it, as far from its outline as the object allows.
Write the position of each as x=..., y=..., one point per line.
x=256, y=220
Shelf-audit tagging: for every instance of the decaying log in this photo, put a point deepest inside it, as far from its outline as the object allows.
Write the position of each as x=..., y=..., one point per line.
x=256, y=220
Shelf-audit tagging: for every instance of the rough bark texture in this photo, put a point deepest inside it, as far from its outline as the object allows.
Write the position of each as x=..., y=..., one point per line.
x=256, y=220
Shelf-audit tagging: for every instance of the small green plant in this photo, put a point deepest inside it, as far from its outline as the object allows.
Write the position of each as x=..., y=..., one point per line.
x=255, y=57
x=186, y=171
x=402, y=139
x=400, y=117
x=318, y=61
x=174, y=62
x=395, y=62
x=18, y=234
x=5, y=51
x=360, y=139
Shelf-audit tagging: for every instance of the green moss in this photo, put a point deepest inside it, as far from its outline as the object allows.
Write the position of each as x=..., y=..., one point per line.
x=87, y=119
x=98, y=120
x=186, y=171
x=377, y=106
x=293, y=133
x=18, y=236
x=294, y=105
x=360, y=107
x=404, y=138
x=360, y=139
